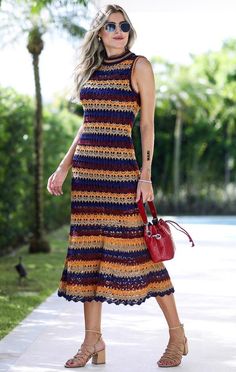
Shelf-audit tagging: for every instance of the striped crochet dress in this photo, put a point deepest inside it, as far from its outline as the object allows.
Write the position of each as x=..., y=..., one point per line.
x=107, y=259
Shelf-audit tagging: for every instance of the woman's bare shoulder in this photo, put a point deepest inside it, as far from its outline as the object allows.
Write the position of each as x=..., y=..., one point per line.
x=142, y=69
x=142, y=63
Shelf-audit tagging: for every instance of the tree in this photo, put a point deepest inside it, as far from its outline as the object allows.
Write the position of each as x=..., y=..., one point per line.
x=174, y=86
x=218, y=71
x=35, y=19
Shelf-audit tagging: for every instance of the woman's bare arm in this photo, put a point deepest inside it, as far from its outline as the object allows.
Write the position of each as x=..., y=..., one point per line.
x=143, y=80
x=67, y=160
x=55, y=181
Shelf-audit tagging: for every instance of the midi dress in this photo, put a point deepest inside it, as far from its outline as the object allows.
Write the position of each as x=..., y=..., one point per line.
x=107, y=258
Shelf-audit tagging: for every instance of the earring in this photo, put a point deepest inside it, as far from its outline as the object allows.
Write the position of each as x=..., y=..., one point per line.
x=99, y=39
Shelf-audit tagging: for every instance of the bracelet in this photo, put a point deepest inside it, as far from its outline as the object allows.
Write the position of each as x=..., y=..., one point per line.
x=144, y=181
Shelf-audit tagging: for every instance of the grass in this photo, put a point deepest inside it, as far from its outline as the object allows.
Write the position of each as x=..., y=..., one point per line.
x=44, y=271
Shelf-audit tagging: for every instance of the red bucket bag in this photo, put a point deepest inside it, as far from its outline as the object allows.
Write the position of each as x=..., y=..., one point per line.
x=157, y=234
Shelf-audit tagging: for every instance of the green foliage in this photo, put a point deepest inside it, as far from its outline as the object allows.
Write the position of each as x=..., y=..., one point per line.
x=16, y=182
x=17, y=159
x=205, y=93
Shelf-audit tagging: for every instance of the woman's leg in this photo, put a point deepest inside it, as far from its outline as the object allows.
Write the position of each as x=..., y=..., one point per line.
x=92, y=320
x=168, y=306
x=177, y=345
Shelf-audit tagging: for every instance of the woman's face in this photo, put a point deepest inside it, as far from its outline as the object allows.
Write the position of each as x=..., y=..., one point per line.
x=117, y=39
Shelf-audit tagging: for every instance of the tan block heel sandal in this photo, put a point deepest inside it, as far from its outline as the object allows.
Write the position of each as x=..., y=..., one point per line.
x=175, y=350
x=86, y=352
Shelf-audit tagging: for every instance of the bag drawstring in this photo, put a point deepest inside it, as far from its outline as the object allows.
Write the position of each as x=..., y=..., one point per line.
x=181, y=229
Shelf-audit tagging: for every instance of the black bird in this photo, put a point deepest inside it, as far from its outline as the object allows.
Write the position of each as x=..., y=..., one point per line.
x=21, y=269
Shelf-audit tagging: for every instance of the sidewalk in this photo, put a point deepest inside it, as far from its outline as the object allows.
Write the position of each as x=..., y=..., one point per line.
x=136, y=336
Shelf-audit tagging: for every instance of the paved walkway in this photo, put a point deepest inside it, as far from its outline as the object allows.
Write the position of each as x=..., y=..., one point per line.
x=204, y=279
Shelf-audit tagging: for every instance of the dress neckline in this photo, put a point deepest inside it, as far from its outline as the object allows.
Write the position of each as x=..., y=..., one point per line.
x=117, y=57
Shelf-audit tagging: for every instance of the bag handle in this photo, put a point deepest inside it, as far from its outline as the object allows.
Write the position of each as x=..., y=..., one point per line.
x=143, y=212
x=154, y=215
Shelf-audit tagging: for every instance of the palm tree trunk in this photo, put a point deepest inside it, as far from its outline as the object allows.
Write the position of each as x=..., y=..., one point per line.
x=227, y=169
x=177, y=153
x=38, y=244
x=38, y=153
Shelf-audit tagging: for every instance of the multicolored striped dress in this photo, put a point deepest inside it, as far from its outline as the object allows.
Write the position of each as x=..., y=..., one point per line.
x=107, y=259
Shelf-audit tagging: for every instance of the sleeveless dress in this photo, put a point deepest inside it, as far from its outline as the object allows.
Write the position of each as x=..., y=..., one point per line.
x=107, y=259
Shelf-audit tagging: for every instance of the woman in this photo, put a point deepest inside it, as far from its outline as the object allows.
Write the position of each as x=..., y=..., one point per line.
x=107, y=259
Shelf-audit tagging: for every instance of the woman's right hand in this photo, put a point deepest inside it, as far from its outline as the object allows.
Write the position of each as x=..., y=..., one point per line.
x=56, y=180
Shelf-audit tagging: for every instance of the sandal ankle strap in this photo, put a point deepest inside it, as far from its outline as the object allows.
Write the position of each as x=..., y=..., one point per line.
x=92, y=330
x=180, y=326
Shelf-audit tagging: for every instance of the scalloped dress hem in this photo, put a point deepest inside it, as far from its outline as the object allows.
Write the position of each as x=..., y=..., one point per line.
x=114, y=301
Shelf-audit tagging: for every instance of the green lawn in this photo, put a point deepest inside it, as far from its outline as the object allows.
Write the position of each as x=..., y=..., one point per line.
x=44, y=272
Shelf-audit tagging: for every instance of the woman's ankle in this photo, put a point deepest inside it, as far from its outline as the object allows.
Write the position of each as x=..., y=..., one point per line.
x=177, y=334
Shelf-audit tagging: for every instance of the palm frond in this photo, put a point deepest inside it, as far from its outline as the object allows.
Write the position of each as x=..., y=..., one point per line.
x=18, y=17
x=71, y=27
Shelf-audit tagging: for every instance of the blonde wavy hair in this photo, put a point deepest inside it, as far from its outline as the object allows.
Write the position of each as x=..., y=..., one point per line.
x=92, y=51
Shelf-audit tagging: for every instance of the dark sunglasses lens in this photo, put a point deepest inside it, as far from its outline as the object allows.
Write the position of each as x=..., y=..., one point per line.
x=125, y=27
x=110, y=27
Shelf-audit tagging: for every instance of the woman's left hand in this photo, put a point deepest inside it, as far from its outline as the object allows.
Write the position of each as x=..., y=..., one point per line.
x=146, y=190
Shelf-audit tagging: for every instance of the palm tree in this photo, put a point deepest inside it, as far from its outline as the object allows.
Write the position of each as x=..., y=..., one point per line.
x=181, y=96
x=218, y=71
x=35, y=19
x=173, y=89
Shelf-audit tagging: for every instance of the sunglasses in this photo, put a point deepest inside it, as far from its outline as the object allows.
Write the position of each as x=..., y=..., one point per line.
x=111, y=26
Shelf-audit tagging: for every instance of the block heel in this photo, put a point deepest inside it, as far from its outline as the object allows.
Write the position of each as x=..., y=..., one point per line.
x=185, y=352
x=99, y=357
